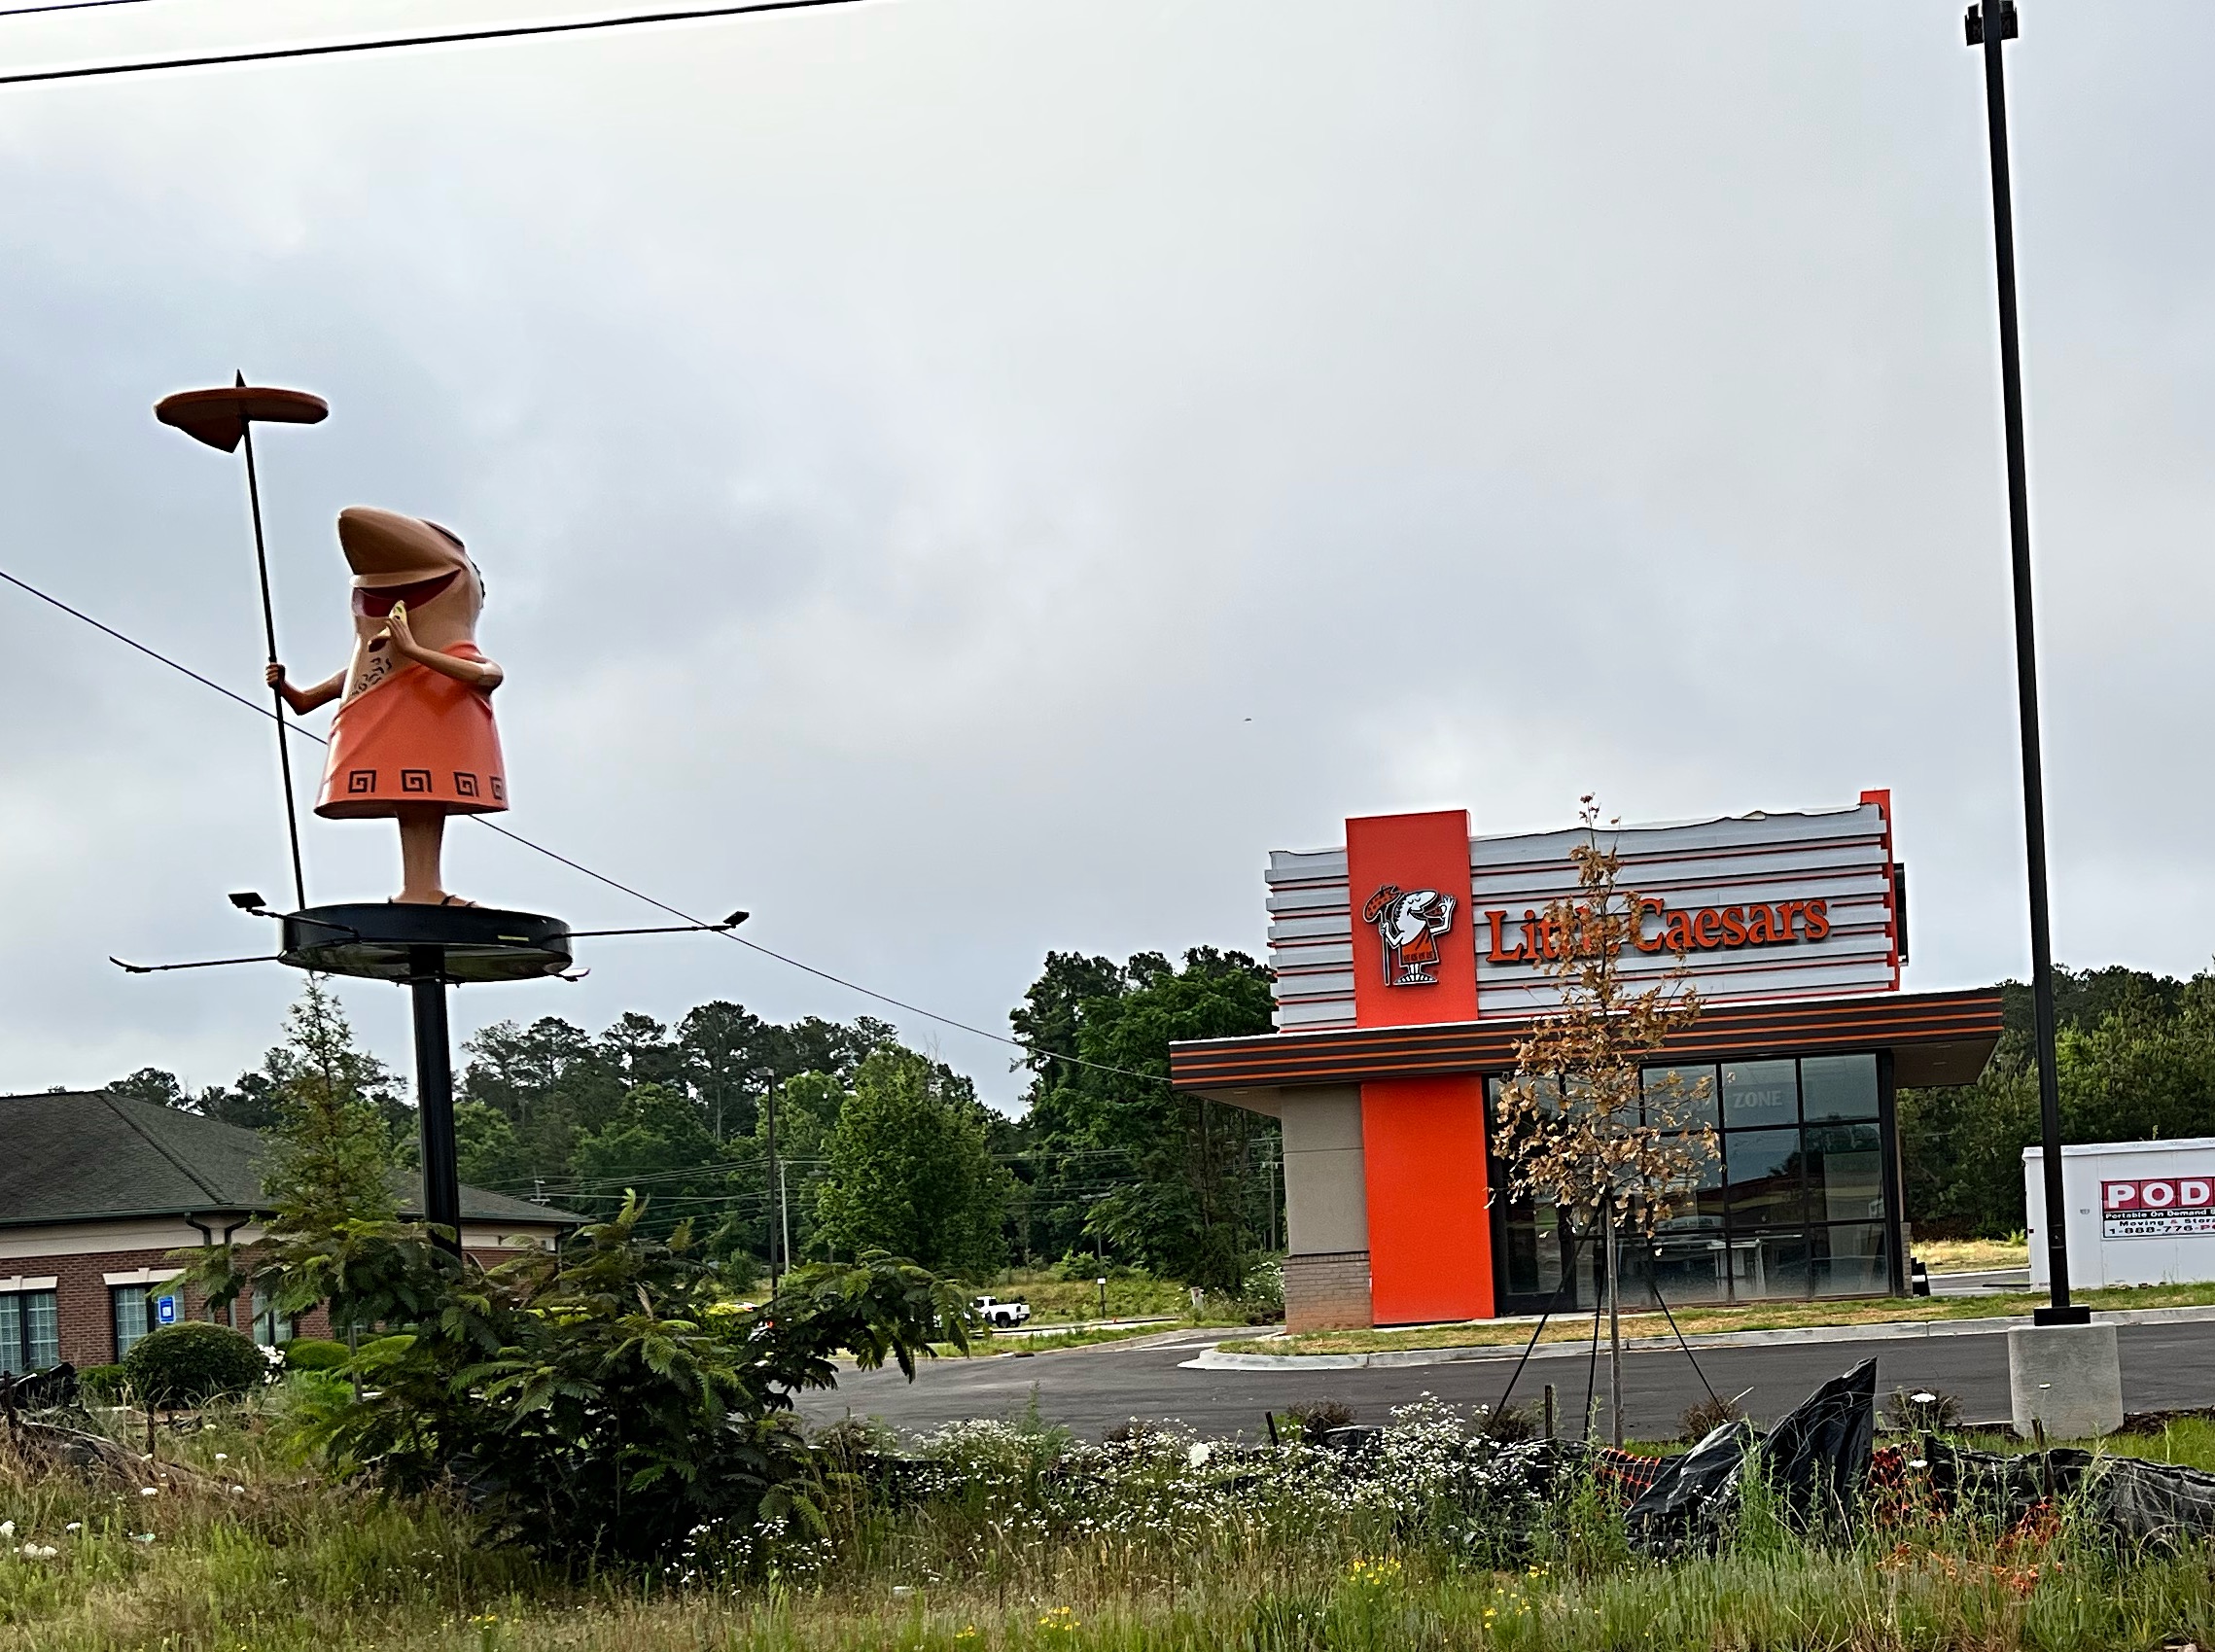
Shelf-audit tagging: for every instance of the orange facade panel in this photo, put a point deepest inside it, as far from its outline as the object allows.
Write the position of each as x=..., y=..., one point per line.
x=1430, y=1226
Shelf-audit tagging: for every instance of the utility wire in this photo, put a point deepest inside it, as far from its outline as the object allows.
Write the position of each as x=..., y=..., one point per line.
x=395, y=43
x=66, y=6
x=579, y=867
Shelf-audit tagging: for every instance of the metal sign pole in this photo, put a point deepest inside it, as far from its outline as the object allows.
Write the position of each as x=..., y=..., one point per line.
x=1988, y=28
x=435, y=1097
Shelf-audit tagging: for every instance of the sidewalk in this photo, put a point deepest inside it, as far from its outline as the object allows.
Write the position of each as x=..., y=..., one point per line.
x=1216, y=1359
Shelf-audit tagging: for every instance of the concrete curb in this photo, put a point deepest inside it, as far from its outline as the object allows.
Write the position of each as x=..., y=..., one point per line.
x=1216, y=1359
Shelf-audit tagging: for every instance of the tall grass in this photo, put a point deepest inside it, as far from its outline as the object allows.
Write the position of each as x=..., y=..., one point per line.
x=993, y=1537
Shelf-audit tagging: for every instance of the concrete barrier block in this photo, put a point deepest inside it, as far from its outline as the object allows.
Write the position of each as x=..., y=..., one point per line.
x=2068, y=1378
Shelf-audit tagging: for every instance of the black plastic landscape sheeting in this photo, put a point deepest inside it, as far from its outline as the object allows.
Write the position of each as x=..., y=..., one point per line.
x=1816, y=1457
x=2148, y=1501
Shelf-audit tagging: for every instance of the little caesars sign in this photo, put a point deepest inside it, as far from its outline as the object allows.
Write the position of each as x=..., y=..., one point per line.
x=1705, y=928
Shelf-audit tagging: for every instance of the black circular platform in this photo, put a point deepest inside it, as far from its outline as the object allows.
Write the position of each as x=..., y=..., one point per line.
x=385, y=941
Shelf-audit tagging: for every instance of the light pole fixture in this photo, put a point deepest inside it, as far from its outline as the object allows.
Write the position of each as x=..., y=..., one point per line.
x=1989, y=25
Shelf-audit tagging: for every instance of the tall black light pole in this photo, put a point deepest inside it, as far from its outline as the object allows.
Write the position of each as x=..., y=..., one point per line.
x=1990, y=23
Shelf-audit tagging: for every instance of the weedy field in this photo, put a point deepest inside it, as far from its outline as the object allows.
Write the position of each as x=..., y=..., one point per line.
x=991, y=1535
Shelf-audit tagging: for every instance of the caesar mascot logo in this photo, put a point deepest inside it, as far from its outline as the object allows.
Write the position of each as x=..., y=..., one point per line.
x=1409, y=925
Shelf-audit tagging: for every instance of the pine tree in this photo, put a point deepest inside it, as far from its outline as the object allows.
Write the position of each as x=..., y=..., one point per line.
x=330, y=1159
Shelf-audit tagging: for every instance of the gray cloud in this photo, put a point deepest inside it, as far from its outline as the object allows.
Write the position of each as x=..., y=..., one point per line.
x=905, y=446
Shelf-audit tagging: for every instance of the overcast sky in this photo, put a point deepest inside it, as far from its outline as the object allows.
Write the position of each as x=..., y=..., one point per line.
x=965, y=478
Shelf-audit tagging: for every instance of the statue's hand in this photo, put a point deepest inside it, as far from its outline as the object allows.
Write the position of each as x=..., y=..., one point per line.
x=402, y=638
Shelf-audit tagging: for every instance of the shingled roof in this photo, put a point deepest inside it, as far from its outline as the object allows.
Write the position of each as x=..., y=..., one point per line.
x=79, y=1156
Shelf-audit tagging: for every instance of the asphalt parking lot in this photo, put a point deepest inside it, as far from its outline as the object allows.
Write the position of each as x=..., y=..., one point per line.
x=1091, y=1389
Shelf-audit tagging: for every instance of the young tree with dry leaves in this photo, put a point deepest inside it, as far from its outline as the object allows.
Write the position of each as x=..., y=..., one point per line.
x=1581, y=1126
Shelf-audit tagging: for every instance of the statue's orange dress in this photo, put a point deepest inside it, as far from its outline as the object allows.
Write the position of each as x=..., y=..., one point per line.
x=418, y=736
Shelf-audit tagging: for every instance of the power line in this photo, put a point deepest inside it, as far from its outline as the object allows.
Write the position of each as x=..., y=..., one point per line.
x=397, y=43
x=579, y=867
x=66, y=6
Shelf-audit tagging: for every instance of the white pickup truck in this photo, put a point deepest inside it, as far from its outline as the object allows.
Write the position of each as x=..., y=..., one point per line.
x=999, y=1315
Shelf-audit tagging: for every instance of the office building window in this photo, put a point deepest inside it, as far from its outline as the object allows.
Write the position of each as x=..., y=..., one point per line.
x=132, y=1311
x=270, y=1327
x=30, y=1331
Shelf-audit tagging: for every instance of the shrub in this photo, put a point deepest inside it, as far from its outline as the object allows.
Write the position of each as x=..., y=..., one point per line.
x=1319, y=1417
x=102, y=1384
x=1710, y=1414
x=1511, y=1425
x=1923, y=1411
x=314, y=1353
x=191, y=1362
x=604, y=1399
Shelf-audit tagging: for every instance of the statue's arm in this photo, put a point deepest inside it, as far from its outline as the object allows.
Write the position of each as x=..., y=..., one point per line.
x=476, y=673
x=304, y=700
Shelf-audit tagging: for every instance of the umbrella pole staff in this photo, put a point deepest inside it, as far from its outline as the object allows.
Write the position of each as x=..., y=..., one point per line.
x=269, y=632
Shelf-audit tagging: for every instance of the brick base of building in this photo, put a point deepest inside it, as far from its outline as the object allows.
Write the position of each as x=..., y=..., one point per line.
x=1328, y=1292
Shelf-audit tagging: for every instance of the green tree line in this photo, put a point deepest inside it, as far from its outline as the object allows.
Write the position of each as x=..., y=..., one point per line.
x=2134, y=1059
x=878, y=1146
x=881, y=1147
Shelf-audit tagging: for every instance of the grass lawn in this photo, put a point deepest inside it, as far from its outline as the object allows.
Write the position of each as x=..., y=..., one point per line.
x=1755, y=1317
x=1972, y=1256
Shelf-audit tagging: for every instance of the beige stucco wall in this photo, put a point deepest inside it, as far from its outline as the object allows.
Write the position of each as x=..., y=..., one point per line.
x=1326, y=1205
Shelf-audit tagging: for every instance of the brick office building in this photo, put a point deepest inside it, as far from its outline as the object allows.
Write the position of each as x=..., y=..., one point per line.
x=1409, y=965
x=97, y=1191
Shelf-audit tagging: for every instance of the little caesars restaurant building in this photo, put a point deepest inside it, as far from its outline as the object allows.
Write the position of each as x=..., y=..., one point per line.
x=1408, y=971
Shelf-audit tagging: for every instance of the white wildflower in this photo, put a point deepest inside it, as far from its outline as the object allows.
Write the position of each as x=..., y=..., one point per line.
x=150, y=1491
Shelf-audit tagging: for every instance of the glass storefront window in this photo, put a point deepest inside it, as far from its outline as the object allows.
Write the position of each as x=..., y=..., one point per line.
x=1837, y=1086
x=1846, y=1172
x=1765, y=1187
x=1768, y=1264
x=1850, y=1260
x=1536, y=1241
x=1760, y=1093
x=1700, y=1204
x=1684, y=1264
x=1685, y=1094
x=1792, y=1205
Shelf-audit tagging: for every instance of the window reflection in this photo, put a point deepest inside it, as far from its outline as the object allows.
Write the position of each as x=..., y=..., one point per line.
x=1846, y=1172
x=1759, y=1092
x=1765, y=1187
x=1837, y=1086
